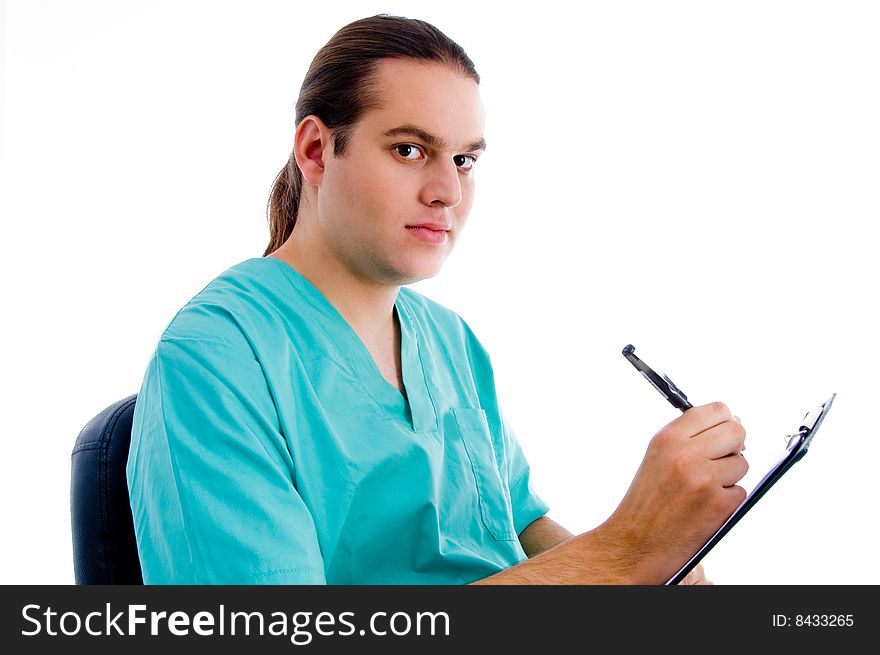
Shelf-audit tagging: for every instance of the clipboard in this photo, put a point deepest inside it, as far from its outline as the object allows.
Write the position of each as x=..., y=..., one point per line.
x=798, y=443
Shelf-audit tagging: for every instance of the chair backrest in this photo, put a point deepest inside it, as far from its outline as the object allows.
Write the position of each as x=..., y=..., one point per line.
x=104, y=546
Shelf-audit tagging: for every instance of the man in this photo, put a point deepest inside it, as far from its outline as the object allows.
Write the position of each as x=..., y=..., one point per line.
x=307, y=419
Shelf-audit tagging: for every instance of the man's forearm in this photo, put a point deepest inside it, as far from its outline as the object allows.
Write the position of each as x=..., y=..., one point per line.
x=590, y=558
x=542, y=534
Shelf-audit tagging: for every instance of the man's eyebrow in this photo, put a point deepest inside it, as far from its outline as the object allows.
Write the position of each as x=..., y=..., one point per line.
x=430, y=139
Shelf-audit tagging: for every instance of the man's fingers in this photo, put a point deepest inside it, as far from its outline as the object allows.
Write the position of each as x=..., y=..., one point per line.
x=722, y=440
x=702, y=418
x=696, y=577
x=736, y=418
x=730, y=470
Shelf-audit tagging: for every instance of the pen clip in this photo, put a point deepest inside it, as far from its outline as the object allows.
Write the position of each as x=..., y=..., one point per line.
x=672, y=386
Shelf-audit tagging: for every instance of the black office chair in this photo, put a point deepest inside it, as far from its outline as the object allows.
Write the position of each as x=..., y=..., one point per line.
x=104, y=546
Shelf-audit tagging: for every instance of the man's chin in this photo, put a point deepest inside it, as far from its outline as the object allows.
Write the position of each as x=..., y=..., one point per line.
x=413, y=278
x=414, y=274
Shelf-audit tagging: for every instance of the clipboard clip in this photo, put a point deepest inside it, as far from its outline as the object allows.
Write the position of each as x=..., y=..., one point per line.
x=808, y=425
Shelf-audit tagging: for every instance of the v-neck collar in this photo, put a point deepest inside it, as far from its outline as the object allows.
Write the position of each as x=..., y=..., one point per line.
x=417, y=409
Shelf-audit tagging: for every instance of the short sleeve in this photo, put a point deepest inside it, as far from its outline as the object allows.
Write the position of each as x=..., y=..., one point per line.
x=527, y=506
x=210, y=474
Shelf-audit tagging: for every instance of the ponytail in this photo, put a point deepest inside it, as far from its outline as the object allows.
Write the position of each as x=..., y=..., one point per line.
x=283, y=204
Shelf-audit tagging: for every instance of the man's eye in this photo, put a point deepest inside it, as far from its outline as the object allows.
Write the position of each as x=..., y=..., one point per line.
x=408, y=151
x=465, y=162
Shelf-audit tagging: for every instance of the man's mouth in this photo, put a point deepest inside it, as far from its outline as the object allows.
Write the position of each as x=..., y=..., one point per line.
x=430, y=233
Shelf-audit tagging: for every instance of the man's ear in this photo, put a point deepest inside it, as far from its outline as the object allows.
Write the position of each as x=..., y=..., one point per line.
x=311, y=141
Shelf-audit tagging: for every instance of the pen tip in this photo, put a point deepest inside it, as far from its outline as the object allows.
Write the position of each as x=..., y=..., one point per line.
x=628, y=349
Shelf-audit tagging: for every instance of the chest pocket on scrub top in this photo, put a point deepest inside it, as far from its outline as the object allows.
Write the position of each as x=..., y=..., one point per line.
x=495, y=507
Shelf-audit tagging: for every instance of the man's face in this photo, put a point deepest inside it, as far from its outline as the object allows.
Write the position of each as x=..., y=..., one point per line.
x=408, y=163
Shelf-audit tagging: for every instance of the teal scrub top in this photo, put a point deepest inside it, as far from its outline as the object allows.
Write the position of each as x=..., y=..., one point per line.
x=267, y=447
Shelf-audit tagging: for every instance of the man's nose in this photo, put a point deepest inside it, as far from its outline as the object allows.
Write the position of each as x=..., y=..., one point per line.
x=443, y=185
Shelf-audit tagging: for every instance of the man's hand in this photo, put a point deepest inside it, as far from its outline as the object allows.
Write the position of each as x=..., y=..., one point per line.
x=683, y=491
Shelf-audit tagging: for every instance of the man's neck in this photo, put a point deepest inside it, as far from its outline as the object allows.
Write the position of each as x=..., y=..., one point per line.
x=366, y=306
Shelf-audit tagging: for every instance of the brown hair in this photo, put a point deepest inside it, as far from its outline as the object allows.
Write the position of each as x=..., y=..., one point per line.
x=337, y=89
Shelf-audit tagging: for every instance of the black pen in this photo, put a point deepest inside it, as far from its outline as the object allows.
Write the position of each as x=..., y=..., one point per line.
x=659, y=381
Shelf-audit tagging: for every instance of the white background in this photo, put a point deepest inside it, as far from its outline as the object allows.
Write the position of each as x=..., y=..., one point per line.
x=699, y=179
